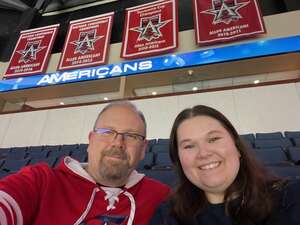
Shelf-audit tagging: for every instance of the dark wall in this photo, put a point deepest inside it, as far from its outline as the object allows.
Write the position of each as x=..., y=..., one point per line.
x=12, y=22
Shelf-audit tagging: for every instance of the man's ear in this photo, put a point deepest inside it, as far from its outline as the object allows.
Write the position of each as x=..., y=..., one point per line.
x=90, y=136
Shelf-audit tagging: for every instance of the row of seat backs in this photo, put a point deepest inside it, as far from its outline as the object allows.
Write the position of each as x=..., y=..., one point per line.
x=157, y=160
x=11, y=166
x=261, y=140
x=161, y=162
x=272, y=135
x=42, y=151
x=169, y=176
x=268, y=156
x=16, y=164
x=258, y=140
x=277, y=155
x=268, y=143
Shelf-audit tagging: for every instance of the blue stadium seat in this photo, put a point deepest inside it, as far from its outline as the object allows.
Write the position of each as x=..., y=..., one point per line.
x=162, y=161
x=292, y=172
x=163, y=141
x=70, y=148
x=151, y=142
x=79, y=156
x=2, y=162
x=249, y=137
x=13, y=165
x=4, y=152
x=294, y=153
x=147, y=162
x=35, y=148
x=296, y=141
x=273, y=135
x=166, y=176
x=51, y=161
x=160, y=148
x=292, y=134
x=3, y=174
x=16, y=153
x=270, y=143
x=59, y=153
x=37, y=154
x=18, y=149
x=83, y=147
x=51, y=147
x=272, y=156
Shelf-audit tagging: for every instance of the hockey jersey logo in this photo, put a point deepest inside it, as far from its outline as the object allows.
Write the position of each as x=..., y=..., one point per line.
x=105, y=220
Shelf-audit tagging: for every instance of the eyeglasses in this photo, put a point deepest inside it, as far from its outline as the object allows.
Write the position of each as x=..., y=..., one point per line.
x=110, y=135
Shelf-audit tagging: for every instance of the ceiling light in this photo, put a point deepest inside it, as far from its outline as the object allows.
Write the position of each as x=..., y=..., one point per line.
x=61, y=103
x=256, y=81
x=154, y=93
x=190, y=72
x=194, y=88
x=105, y=98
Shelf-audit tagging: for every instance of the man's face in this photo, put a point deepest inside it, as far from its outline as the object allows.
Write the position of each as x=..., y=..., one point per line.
x=111, y=160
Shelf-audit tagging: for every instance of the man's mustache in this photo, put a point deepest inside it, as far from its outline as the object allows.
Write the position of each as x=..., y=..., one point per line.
x=115, y=152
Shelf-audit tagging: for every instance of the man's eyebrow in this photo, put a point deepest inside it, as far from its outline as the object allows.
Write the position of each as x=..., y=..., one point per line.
x=129, y=130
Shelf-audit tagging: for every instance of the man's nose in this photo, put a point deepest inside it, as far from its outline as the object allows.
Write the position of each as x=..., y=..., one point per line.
x=119, y=140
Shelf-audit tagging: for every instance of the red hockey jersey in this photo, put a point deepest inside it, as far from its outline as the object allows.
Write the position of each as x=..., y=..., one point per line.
x=67, y=195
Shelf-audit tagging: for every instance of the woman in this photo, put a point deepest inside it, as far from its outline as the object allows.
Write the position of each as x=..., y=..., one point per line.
x=220, y=181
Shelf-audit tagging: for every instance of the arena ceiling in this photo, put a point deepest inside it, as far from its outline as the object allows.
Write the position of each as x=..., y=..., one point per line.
x=45, y=5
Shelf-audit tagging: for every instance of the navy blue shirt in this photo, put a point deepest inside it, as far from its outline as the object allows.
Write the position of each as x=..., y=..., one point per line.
x=214, y=214
x=286, y=211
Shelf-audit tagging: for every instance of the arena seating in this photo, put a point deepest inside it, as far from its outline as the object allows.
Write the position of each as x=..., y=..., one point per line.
x=280, y=153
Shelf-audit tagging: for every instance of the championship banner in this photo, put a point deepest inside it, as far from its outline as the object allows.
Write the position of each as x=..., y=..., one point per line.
x=87, y=42
x=150, y=29
x=226, y=20
x=32, y=52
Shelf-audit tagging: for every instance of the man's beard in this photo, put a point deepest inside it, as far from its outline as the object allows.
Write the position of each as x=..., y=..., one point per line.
x=114, y=170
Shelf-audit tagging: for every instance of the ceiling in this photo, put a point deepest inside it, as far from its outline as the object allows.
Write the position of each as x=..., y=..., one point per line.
x=48, y=5
x=17, y=5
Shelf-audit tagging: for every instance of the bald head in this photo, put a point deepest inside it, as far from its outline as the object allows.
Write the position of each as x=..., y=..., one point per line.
x=125, y=104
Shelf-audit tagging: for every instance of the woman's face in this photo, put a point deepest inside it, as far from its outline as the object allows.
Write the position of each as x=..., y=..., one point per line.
x=208, y=155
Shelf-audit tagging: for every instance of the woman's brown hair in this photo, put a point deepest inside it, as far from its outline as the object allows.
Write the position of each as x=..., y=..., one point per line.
x=248, y=199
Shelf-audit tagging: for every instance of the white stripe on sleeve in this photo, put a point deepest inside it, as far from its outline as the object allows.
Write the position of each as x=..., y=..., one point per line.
x=12, y=207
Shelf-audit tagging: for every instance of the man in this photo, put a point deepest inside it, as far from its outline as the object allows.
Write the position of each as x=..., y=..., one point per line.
x=106, y=191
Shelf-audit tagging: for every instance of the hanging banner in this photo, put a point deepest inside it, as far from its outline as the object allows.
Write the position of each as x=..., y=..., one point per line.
x=226, y=20
x=32, y=52
x=150, y=29
x=87, y=42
